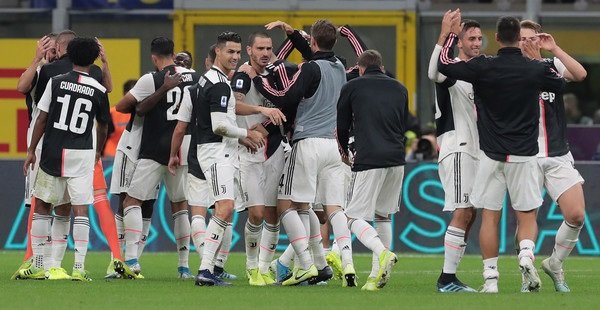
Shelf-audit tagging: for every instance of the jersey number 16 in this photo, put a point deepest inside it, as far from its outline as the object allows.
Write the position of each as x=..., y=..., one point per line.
x=79, y=120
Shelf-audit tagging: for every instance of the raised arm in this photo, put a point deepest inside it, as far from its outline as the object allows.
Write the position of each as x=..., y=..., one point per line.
x=355, y=41
x=455, y=69
x=27, y=79
x=106, y=76
x=574, y=71
x=294, y=92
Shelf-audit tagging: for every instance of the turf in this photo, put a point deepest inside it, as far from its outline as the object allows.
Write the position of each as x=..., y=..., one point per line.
x=412, y=286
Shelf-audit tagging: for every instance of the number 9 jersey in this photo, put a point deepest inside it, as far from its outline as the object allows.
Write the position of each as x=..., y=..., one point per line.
x=160, y=122
x=72, y=101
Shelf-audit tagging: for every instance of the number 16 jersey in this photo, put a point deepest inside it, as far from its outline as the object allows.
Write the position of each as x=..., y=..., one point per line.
x=72, y=101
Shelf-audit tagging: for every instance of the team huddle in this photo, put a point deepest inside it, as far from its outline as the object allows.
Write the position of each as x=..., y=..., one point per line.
x=297, y=146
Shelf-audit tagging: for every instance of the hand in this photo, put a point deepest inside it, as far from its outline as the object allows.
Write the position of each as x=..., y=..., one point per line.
x=256, y=137
x=447, y=23
x=171, y=81
x=102, y=52
x=29, y=160
x=43, y=45
x=246, y=68
x=274, y=114
x=260, y=128
x=279, y=24
x=530, y=49
x=251, y=147
x=173, y=164
x=346, y=160
x=457, y=25
x=98, y=156
x=546, y=42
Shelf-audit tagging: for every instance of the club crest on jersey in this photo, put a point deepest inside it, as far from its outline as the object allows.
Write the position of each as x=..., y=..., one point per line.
x=239, y=84
x=223, y=101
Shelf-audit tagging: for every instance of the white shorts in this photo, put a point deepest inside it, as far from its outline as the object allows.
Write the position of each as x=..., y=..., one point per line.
x=559, y=174
x=123, y=169
x=374, y=192
x=457, y=174
x=198, y=192
x=494, y=178
x=223, y=181
x=30, y=177
x=259, y=181
x=79, y=191
x=146, y=181
x=313, y=173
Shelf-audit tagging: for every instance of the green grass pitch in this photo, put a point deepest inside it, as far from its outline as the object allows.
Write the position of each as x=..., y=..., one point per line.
x=412, y=286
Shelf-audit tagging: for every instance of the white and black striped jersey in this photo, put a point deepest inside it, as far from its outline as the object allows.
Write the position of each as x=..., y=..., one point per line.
x=130, y=140
x=455, y=112
x=242, y=83
x=552, y=139
x=72, y=101
x=214, y=94
x=159, y=123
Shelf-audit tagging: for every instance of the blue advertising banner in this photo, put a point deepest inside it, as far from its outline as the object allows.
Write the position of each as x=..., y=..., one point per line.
x=107, y=4
x=419, y=227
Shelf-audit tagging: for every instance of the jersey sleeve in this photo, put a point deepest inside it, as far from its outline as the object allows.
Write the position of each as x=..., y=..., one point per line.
x=284, y=50
x=432, y=72
x=44, y=102
x=143, y=88
x=103, y=115
x=240, y=83
x=560, y=67
x=218, y=97
x=355, y=41
x=459, y=70
x=186, y=108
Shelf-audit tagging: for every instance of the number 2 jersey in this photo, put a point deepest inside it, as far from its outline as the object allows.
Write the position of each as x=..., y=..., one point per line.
x=159, y=123
x=72, y=101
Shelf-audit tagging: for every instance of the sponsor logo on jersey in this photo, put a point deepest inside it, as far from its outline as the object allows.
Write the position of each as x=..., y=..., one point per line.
x=239, y=83
x=548, y=96
x=223, y=101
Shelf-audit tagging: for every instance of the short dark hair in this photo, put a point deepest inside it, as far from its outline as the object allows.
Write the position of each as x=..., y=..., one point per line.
x=370, y=58
x=508, y=29
x=228, y=36
x=212, y=54
x=128, y=85
x=468, y=24
x=162, y=46
x=257, y=34
x=324, y=33
x=529, y=24
x=65, y=36
x=83, y=51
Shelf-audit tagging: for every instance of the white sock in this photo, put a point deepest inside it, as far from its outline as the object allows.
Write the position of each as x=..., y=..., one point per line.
x=120, y=230
x=268, y=245
x=367, y=235
x=287, y=257
x=81, y=237
x=252, y=238
x=182, y=230
x=334, y=246
x=297, y=236
x=315, y=241
x=146, y=223
x=454, y=245
x=212, y=241
x=132, y=222
x=339, y=225
x=490, y=269
x=198, y=232
x=566, y=239
x=223, y=251
x=60, y=235
x=40, y=235
x=526, y=248
x=383, y=227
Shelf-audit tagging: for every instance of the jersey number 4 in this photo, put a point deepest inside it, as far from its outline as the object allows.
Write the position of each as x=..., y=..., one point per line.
x=79, y=119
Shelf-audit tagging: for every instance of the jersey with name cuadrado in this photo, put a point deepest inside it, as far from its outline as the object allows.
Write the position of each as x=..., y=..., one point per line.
x=214, y=95
x=455, y=113
x=160, y=121
x=72, y=101
x=552, y=139
x=242, y=83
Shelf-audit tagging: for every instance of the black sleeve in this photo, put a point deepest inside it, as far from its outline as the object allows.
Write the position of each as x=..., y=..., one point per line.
x=218, y=97
x=355, y=41
x=41, y=83
x=552, y=81
x=459, y=70
x=284, y=50
x=301, y=44
x=240, y=83
x=103, y=115
x=344, y=118
x=302, y=86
